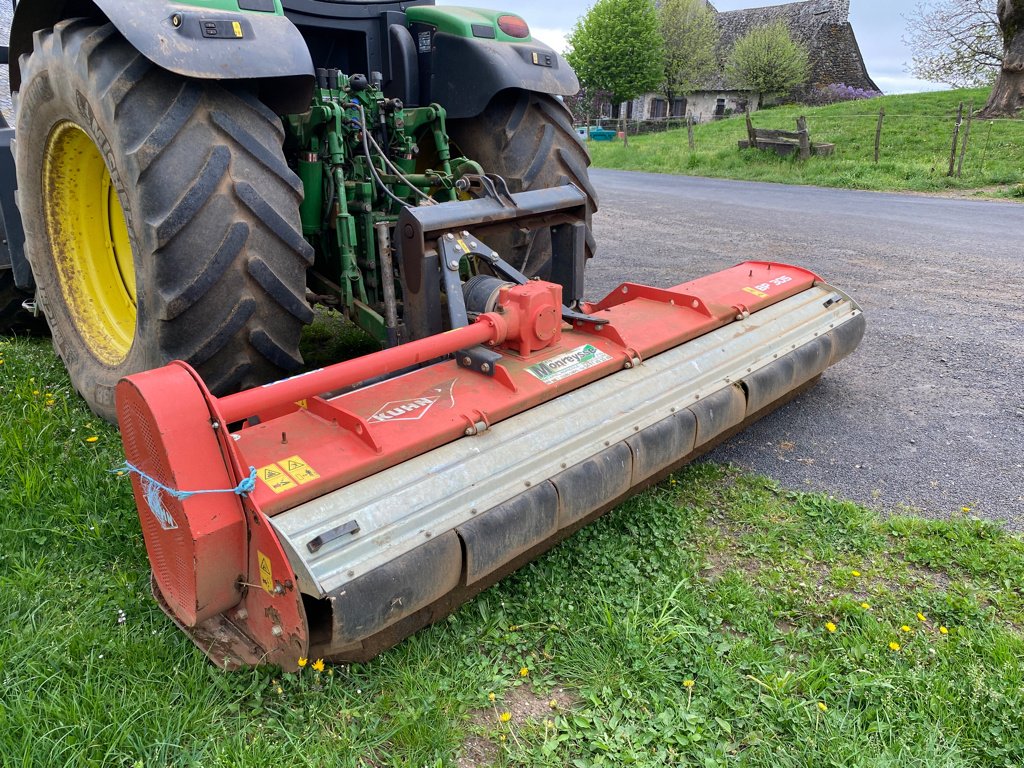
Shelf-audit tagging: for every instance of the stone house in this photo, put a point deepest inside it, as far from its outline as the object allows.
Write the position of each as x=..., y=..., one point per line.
x=823, y=26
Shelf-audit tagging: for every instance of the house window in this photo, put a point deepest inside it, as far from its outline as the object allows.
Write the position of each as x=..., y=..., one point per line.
x=719, y=107
x=659, y=108
x=678, y=107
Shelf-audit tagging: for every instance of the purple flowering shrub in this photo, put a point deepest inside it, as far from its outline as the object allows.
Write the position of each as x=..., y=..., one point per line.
x=836, y=92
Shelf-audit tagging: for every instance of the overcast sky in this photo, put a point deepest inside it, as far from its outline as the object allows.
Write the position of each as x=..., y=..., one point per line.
x=878, y=24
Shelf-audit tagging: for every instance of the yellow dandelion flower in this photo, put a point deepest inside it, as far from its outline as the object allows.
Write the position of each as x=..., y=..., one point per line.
x=553, y=704
x=1, y=362
x=92, y=439
x=303, y=661
x=894, y=646
x=688, y=683
x=502, y=737
x=35, y=391
x=318, y=665
x=943, y=630
x=524, y=672
x=866, y=606
x=905, y=628
x=965, y=509
x=513, y=628
x=280, y=691
x=672, y=481
x=505, y=717
x=830, y=626
x=922, y=617
x=855, y=573
x=822, y=706
x=491, y=697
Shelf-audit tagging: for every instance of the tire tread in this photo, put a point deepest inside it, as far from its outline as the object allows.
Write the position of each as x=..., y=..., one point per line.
x=214, y=208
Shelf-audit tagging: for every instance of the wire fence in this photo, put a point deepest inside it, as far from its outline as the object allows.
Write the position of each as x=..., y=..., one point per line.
x=967, y=142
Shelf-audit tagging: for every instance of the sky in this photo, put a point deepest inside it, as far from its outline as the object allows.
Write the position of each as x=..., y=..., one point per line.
x=878, y=24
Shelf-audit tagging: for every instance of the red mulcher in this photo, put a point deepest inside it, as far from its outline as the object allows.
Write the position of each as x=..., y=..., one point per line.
x=391, y=488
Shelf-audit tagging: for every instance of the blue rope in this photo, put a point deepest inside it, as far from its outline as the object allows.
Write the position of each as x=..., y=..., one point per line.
x=151, y=488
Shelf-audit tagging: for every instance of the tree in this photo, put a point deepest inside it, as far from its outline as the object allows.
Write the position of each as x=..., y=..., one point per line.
x=1007, y=96
x=690, y=31
x=956, y=42
x=616, y=47
x=767, y=61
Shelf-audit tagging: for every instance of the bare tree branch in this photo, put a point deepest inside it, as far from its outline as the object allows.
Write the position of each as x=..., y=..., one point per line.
x=956, y=42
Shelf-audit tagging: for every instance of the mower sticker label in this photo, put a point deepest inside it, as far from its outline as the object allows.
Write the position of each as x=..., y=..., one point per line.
x=568, y=364
x=275, y=478
x=266, y=573
x=761, y=288
x=415, y=408
x=299, y=470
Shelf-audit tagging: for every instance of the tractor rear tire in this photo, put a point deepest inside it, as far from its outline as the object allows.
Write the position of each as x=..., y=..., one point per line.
x=161, y=219
x=528, y=139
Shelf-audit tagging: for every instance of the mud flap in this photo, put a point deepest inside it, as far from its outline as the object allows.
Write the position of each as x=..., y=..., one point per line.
x=719, y=412
x=507, y=531
x=661, y=444
x=388, y=594
x=801, y=365
x=588, y=485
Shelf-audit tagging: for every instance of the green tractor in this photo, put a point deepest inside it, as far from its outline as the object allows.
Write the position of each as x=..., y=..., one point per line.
x=192, y=176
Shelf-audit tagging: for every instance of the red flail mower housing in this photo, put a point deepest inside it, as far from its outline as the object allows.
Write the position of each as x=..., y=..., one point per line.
x=393, y=487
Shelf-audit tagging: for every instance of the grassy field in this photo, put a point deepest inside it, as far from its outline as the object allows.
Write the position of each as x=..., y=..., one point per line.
x=714, y=620
x=915, y=147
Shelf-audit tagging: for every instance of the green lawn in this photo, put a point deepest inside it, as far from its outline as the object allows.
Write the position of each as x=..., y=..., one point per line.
x=915, y=147
x=715, y=620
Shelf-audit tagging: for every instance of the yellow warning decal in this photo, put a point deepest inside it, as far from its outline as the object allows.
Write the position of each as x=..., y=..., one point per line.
x=462, y=245
x=303, y=404
x=236, y=28
x=756, y=292
x=300, y=471
x=266, y=574
x=275, y=478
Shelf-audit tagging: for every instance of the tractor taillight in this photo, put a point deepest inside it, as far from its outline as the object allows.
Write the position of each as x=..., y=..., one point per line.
x=513, y=26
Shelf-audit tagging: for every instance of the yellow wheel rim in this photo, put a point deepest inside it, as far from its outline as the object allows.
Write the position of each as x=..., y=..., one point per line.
x=89, y=240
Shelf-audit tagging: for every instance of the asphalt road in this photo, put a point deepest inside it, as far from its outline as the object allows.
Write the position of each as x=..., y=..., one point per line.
x=929, y=412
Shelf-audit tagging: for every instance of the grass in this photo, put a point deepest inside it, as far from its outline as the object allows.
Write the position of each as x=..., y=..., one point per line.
x=690, y=626
x=915, y=148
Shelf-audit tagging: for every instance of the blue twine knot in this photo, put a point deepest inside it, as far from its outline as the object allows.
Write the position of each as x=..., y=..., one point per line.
x=151, y=489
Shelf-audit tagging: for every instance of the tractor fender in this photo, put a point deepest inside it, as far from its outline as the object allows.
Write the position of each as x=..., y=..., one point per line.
x=495, y=66
x=197, y=40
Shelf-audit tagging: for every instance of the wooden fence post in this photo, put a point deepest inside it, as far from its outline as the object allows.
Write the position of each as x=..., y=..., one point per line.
x=956, y=138
x=988, y=137
x=805, y=139
x=967, y=137
x=878, y=133
x=689, y=131
x=751, y=135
